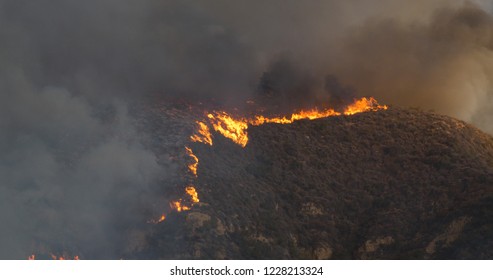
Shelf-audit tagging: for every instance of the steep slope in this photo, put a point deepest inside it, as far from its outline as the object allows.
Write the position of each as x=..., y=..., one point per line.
x=393, y=184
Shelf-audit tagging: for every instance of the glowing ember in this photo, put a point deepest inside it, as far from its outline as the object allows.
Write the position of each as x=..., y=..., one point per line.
x=157, y=221
x=63, y=257
x=190, y=190
x=178, y=206
x=203, y=134
x=193, y=166
x=162, y=218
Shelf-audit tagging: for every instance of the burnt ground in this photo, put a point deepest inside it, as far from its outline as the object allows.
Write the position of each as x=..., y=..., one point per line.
x=395, y=184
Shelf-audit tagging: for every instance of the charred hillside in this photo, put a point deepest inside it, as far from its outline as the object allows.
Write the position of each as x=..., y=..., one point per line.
x=394, y=184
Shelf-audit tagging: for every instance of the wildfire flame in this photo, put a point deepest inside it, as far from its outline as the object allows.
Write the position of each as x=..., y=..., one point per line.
x=363, y=105
x=157, y=221
x=203, y=134
x=311, y=115
x=192, y=166
x=236, y=128
x=162, y=218
x=31, y=257
x=178, y=206
x=194, y=196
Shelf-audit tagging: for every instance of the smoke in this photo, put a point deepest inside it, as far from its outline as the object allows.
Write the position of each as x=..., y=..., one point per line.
x=68, y=178
x=74, y=174
x=435, y=55
x=444, y=64
x=122, y=47
x=406, y=53
x=429, y=54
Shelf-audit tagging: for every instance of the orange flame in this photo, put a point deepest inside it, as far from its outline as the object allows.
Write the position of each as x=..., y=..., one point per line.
x=31, y=257
x=190, y=190
x=157, y=221
x=203, y=134
x=236, y=129
x=162, y=218
x=311, y=115
x=193, y=166
x=363, y=105
x=178, y=206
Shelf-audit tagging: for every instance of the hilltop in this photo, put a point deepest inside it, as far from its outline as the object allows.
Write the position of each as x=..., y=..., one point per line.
x=393, y=184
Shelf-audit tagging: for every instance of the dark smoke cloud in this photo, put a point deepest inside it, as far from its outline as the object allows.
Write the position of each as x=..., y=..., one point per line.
x=428, y=54
x=73, y=173
x=444, y=64
x=124, y=47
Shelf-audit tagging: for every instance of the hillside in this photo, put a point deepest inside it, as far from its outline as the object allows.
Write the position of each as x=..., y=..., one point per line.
x=395, y=184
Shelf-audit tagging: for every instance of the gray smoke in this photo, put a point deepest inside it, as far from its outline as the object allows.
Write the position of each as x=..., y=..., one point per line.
x=74, y=174
x=444, y=64
x=67, y=177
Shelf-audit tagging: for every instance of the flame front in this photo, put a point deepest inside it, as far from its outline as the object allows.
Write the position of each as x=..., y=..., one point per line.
x=203, y=134
x=194, y=196
x=363, y=105
x=192, y=166
x=236, y=129
x=310, y=114
x=181, y=205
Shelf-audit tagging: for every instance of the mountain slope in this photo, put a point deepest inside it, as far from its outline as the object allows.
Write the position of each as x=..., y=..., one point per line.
x=393, y=184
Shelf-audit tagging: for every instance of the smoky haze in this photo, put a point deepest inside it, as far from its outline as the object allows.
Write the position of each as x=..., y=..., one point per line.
x=73, y=171
x=444, y=64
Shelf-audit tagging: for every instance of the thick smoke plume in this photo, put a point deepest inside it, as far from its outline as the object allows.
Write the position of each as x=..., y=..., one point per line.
x=74, y=174
x=445, y=63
